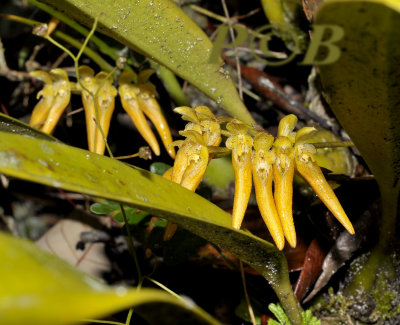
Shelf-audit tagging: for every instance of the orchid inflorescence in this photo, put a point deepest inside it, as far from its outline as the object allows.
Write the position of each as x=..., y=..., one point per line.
x=98, y=98
x=261, y=159
x=267, y=161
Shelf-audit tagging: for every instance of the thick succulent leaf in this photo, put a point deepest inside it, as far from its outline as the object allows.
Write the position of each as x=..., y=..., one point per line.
x=362, y=87
x=12, y=125
x=163, y=32
x=78, y=170
x=40, y=289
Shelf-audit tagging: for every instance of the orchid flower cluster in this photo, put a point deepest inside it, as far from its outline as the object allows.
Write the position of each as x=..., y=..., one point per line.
x=267, y=161
x=261, y=159
x=98, y=98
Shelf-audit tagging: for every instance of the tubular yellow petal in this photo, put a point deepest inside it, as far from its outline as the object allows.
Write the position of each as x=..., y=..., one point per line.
x=40, y=111
x=181, y=162
x=62, y=96
x=42, y=108
x=105, y=105
x=197, y=165
x=266, y=205
x=313, y=175
x=89, y=82
x=55, y=94
x=262, y=177
x=242, y=171
x=283, y=196
x=104, y=123
x=283, y=170
x=131, y=106
x=148, y=104
x=241, y=145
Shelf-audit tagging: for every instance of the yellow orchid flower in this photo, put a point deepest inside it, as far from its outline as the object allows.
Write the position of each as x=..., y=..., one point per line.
x=98, y=93
x=55, y=94
x=190, y=165
x=311, y=172
x=193, y=156
x=262, y=161
x=106, y=94
x=89, y=83
x=241, y=145
x=130, y=103
x=197, y=161
x=181, y=159
x=293, y=152
x=150, y=107
x=283, y=170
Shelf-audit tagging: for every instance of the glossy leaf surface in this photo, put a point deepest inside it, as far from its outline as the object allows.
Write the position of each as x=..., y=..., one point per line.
x=39, y=288
x=78, y=170
x=362, y=87
x=12, y=125
x=163, y=32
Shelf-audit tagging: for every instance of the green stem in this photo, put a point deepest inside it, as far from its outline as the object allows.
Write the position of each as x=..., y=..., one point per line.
x=82, y=30
x=279, y=280
x=390, y=198
x=334, y=144
x=287, y=298
x=132, y=246
x=165, y=288
x=128, y=318
x=104, y=65
x=88, y=36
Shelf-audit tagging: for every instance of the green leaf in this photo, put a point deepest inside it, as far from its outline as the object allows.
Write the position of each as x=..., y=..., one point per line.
x=12, y=125
x=159, y=168
x=73, y=169
x=40, y=289
x=362, y=88
x=104, y=208
x=162, y=31
x=133, y=217
x=110, y=207
x=220, y=173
